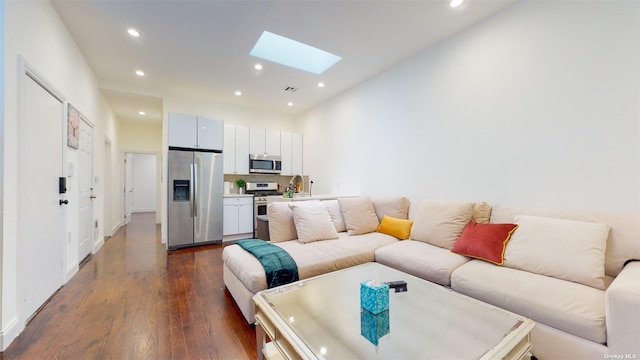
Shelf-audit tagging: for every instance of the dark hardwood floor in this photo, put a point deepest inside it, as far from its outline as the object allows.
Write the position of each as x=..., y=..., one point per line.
x=135, y=300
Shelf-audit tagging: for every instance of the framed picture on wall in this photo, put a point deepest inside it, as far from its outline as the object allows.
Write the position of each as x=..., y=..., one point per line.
x=73, y=127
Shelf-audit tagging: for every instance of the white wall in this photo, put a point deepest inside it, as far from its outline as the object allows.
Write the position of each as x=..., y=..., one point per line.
x=537, y=106
x=144, y=182
x=60, y=62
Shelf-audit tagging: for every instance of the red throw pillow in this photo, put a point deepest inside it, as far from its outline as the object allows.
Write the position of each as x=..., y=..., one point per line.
x=484, y=241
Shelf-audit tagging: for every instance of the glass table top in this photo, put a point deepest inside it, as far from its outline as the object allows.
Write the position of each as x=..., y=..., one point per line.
x=427, y=321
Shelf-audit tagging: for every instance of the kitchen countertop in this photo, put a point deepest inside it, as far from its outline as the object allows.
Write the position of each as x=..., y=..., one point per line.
x=305, y=197
x=237, y=195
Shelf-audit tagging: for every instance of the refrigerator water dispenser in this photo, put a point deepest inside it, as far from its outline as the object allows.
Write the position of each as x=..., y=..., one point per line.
x=181, y=190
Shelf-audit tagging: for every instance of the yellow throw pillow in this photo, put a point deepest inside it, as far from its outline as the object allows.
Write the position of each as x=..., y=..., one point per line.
x=399, y=228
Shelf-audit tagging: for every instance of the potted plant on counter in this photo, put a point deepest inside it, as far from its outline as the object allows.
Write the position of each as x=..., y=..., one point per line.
x=241, y=183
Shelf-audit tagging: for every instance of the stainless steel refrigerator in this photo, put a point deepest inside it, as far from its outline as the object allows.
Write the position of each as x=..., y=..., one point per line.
x=195, y=197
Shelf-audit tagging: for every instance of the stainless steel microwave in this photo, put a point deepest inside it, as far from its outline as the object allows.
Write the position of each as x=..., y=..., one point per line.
x=265, y=164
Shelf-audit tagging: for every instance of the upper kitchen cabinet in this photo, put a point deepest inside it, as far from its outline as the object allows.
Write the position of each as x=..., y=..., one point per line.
x=195, y=132
x=236, y=149
x=291, y=152
x=262, y=141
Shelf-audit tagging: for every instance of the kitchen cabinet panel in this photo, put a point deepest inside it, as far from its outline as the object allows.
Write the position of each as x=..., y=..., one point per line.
x=210, y=133
x=236, y=149
x=257, y=140
x=195, y=132
x=237, y=215
x=242, y=149
x=183, y=130
x=229, y=149
x=285, y=152
x=296, y=154
x=272, y=142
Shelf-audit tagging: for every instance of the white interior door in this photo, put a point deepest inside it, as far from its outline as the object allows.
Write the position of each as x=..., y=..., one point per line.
x=41, y=215
x=85, y=184
x=128, y=187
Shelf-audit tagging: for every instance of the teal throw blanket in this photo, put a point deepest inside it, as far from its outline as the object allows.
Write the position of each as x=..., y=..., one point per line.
x=278, y=265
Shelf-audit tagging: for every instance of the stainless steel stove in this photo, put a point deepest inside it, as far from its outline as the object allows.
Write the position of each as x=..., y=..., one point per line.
x=260, y=191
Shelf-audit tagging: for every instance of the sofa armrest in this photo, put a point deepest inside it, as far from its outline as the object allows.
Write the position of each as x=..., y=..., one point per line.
x=622, y=307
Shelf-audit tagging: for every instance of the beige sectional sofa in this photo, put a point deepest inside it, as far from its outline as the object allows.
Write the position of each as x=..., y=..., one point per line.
x=583, y=292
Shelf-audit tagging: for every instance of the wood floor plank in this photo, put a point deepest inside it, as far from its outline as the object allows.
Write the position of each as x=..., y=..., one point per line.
x=135, y=300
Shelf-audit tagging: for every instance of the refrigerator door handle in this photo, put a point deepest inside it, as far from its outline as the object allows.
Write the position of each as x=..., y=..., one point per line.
x=191, y=189
x=195, y=190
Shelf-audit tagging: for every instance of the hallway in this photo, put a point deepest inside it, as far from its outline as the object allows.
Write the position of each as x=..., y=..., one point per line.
x=135, y=300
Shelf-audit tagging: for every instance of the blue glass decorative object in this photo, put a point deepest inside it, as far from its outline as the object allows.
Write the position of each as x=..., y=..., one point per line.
x=374, y=298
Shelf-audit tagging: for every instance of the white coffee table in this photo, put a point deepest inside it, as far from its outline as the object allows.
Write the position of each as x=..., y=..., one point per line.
x=320, y=318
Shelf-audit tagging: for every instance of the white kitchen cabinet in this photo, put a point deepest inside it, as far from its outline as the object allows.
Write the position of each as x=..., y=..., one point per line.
x=237, y=215
x=264, y=141
x=210, y=133
x=296, y=154
x=229, y=149
x=236, y=149
x=291, y=152
x=183, y=130
x=285, y=152
x=195, y=132
x=257, y=141
x=272, y=142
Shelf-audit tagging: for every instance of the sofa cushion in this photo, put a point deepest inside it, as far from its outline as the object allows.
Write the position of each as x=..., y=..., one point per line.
x=281, y=225
x=484, y=241
x=336, y=215
x=399, y=228
x=441, y=222
x=481, y=213
x=397, y=207
x=312, y=221
x=312, y=259
x=568, y=306
x=359, y=215
x=565, y=249
x=420, y=259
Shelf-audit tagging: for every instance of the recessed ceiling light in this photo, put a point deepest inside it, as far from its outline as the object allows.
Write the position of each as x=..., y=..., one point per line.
x=290, y=104
x=133, y=32
x=292, y=53
x=455, y=3
x=139, y=72
x=258, y=67
x=142, y=113
x=320, y=84
x=238, y=93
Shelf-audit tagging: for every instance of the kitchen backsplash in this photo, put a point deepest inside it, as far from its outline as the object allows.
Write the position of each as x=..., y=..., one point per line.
x=283, y=180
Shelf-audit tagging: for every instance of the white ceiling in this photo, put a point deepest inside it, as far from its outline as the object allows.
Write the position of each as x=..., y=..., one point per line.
x=201, y=48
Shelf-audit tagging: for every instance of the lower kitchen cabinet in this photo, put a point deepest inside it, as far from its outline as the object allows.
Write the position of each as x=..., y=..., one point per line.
x=238, y=216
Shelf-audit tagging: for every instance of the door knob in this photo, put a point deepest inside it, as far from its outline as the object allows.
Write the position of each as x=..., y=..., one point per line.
x=64, y=202
x=92, y=197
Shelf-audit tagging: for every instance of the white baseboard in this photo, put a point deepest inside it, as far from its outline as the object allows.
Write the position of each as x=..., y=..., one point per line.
x=10, y=332
x=71, y=270
x=144, y=210
x=97, y=245
x=237, y=237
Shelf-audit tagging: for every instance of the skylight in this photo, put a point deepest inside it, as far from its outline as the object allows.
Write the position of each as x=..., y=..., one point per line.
x=292, y=53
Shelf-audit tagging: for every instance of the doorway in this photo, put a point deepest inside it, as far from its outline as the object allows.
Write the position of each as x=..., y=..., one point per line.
x=141, y=178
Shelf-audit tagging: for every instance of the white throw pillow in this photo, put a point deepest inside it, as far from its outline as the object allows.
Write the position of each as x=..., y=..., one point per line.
x=281, y=225
x=312, y=222
x=359, y=215
x=396, y=207
x=336, y=215
x=440, y=223
x=564, y=249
